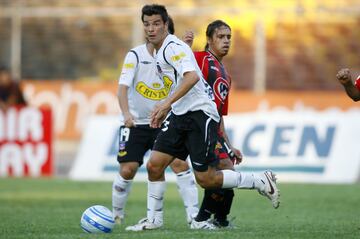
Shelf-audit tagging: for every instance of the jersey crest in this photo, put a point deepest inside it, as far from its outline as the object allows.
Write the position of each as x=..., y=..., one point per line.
x=221, y=88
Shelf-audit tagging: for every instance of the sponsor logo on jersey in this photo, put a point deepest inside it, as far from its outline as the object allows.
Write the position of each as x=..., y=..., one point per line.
x=178, y=57
x=129, y=65
x=221, y=88
x=156, y=85
x=157, y=93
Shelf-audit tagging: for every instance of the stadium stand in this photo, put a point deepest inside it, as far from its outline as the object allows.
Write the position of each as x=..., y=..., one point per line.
x=305, y=44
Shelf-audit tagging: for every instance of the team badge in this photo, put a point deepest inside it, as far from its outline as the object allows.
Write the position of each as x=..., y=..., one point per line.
x=221, y=88
x=122, y=146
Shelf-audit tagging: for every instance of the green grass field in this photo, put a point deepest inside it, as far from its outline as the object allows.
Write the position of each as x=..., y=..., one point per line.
x=51, y=208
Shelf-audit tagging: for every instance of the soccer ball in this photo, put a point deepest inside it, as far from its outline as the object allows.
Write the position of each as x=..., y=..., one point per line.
x=97, y=219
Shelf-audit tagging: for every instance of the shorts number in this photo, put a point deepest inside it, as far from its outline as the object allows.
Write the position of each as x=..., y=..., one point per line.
x=124, y=133
x=165, y=125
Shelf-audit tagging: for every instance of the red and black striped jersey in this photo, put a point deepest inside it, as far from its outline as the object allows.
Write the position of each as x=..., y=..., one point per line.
x=215, y=74
x=357, y=82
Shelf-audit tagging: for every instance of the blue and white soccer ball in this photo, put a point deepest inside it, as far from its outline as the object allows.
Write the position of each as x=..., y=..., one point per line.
x=97, y=219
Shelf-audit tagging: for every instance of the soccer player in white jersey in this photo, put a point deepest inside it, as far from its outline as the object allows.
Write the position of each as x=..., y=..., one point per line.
x=192, y=126
x=139, y=90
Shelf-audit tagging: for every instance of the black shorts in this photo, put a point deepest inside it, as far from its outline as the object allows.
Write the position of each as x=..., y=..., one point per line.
x=194, y=134
x=134, y=142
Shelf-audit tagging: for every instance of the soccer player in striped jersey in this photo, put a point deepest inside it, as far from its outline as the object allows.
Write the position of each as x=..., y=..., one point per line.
x=352, y=90
x=139, y=90
x=218, y=201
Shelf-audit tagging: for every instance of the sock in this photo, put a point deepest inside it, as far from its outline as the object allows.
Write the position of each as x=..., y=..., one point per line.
x=230, y=178
x=223, y=207
x=189, y=193
x=155, y=201
x=209, y=203
x=248, y=181
x=120, y=191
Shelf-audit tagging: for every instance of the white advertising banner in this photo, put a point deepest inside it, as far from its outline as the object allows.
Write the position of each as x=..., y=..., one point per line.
x=299, y=146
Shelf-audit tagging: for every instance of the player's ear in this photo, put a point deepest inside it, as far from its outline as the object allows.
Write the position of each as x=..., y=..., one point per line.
x=208, y=40
x=167, y=26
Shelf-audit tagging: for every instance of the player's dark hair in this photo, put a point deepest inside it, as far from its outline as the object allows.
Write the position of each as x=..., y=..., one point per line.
x=210, y=30
x=171, y=27
x=154, y=9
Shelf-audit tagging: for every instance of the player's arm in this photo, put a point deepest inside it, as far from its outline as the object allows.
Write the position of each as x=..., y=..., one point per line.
x=345, y=79
x=125, y=81
x=178, y=57
x=161, y=110
x=231, y=150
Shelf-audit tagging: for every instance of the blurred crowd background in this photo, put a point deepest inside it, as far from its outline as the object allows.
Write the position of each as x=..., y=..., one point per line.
x=293, y=44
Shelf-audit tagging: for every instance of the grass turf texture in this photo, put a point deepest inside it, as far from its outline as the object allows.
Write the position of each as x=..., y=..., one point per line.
x=51, y=208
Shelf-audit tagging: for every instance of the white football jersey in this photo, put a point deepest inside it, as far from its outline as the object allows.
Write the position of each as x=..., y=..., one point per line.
x=175, y=58
x=145, y=86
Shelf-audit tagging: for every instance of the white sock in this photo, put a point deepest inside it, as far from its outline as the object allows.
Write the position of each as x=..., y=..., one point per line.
x=189, y=193
x=155, y=201
x=230, y=178
x=248, y=180
x=120, y=191
x=241, y=180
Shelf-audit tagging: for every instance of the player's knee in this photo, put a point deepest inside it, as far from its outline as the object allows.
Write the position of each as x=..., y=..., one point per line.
x=154, y=168
x=128, y=173
x=179, y=166
x=207, y=180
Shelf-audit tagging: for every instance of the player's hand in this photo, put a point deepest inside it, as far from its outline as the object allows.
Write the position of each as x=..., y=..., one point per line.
x=129, y=120
x=344, y=76
x=159, y=114
x=188, y=37
x=238, y=155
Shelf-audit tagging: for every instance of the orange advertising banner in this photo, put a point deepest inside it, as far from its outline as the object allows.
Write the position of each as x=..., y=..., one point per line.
x=72, y=103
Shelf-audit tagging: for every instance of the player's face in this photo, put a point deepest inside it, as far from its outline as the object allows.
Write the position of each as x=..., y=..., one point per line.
x=155, y=29
x=220, y=41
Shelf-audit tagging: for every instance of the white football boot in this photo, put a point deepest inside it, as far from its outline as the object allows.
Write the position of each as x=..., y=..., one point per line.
x=267, y=187
x=203, y=225
x=143, y=225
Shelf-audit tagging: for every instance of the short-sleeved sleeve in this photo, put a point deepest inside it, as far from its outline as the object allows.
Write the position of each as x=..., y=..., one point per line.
x=179, y=57
x=357, y=82
x=128, y=69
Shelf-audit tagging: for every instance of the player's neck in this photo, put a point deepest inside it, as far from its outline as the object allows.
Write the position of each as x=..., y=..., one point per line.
x=158, y=46
x=150, y=47
x=217, y=57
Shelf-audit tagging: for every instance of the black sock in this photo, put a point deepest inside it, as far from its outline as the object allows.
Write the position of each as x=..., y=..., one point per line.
x=209, y=204
x=223, y=208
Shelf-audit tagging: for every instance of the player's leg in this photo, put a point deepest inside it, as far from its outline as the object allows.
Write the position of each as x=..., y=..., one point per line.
x=264, y=183
x=132, y=147
x=187, y=187
x=155, y=196
x=223, y=206
x=217, y=201
x=121, y=188
x=203, y=159
x=168, y=145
